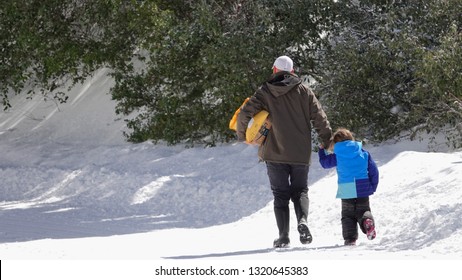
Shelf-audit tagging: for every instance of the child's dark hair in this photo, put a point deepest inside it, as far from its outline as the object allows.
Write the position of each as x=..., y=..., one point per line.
x=342, y=134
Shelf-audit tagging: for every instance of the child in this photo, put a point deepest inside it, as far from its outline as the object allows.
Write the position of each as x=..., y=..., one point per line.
x=358, y=178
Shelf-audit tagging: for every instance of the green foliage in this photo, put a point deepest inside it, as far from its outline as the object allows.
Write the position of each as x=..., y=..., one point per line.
x=393, y=66
x=201, y=68
x=182, y=67
x=46, y=43
x=439, y=87
x=367, y=71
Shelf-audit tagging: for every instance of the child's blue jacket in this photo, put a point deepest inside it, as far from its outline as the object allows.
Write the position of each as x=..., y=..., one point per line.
x=358, y=175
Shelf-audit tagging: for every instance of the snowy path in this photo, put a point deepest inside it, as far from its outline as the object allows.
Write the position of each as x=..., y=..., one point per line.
x=72, y=189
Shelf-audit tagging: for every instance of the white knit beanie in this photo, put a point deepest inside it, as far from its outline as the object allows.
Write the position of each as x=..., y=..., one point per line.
x=284, y=63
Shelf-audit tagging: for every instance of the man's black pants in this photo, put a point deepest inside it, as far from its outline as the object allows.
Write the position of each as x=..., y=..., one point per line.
x=289, y=182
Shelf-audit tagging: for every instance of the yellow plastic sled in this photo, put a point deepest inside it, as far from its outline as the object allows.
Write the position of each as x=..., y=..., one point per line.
x=233, y=121
x=258, y=127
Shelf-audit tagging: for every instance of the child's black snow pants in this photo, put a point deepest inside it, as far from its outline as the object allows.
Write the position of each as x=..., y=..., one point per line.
x=354, y=212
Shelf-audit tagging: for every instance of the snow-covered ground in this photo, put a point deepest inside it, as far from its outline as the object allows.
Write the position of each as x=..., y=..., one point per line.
x=73, y=189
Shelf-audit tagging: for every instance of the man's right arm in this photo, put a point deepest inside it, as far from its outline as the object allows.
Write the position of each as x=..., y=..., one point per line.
x=319, y=120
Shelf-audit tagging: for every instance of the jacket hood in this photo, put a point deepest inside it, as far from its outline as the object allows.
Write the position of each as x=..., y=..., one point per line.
x=348, y=149
x=282, y=82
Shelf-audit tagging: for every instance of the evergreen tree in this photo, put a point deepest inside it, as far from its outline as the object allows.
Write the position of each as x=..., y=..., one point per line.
x=379, y=72
x=182, y=67
x=47, y=43
x=200, y=69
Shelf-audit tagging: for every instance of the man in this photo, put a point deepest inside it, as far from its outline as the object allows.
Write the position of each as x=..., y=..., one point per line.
x=293, y=111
